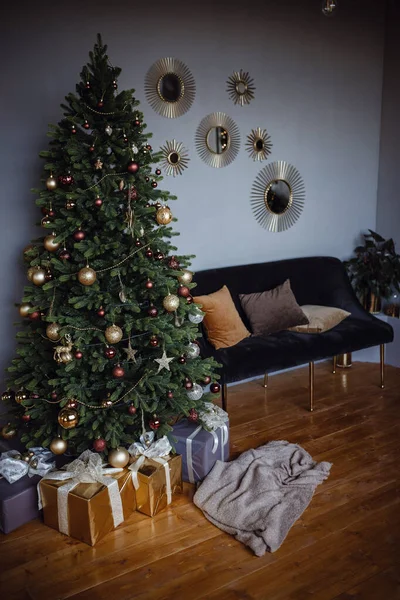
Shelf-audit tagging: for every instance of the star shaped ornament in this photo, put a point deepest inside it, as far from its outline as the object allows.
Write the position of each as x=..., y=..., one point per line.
x=98, y=164
x=130, y=353
x=163, y=362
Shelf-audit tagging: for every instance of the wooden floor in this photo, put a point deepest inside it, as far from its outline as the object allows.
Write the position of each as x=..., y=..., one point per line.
x=345, y=546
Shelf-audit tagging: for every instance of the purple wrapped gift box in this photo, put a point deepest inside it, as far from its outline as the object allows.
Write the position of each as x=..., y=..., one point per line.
x=18, y=502
x=200, y=449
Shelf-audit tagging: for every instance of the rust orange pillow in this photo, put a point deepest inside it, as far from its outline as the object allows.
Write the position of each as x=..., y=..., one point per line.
x=224, y=326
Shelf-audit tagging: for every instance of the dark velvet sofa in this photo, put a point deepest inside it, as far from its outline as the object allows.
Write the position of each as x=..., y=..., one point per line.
x=315, y=280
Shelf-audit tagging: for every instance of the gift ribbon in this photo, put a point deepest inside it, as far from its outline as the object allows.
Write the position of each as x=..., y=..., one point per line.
x=154, y=450
x=13, y=469
x=87, y=468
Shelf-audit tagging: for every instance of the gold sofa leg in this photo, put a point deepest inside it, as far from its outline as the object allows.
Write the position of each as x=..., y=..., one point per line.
x=224, y=396
x=265, y=384
x=382, y=355
x=334, y=364
x=311, y=385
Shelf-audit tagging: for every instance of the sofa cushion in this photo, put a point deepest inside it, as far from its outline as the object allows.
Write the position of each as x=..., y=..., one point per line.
x=272, y=310
x=222, y=321
x=320, y=318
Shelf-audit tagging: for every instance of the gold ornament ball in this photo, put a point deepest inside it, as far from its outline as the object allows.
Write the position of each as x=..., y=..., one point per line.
x=21, y=396
x=68, y=418
x=50, y=244
x=39, y=277
x=113, y=334
x=8, y=432
x=53, y=332
x=171, y=303
x=30, y=272
x=24, y=309
x=163, y=215
x=34, y=463
x=58, y=445
x=87, y=276
x=51, y=183
x=70, y=205
x=186, y=277
x=26, y=457
x=66, y=357
x=118, y=458
x=28, y=252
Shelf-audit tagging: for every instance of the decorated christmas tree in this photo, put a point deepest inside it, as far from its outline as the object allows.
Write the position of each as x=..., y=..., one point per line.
x=107, y=346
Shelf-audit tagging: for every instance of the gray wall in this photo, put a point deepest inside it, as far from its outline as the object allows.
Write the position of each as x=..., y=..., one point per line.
x=388, y=207
x=318, y=93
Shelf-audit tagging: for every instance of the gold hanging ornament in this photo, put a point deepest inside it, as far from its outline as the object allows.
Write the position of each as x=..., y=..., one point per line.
x=21, y=396
x=50, y=244
x=87, y=276
x=186, y=277
x=51, y=182
x=118, y=458
x=113, y=334
x=24, y=309
x=38, y=277
x=30, y=272
x=171, y=303
x=53, y=332
x=70, y=204
x=68, y=418
x=58, y=445
x=164, y=215
x=8, y=432
x=63, y=354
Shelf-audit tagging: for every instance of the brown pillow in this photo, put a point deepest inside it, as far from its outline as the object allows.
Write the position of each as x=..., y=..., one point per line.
x=321, y=318
x=222, y=321
x=273, y=310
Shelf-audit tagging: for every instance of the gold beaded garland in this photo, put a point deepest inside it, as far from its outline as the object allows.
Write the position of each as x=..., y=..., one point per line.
x=113, y=334
x=87, y=276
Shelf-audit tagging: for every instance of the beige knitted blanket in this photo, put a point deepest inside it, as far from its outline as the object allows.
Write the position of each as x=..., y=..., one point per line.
x=259, y=496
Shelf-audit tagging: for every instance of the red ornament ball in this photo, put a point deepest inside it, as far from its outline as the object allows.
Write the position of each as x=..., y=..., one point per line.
x=138, y=243
x=118, y=372
x=110, y=352
x=26, y=418
x=79, y=235
x=137, y=123
x=215, y=388
x=182, y=360
x=100, y=104
x=87, y=86
x=35, y=315
x=73, y=130
x=34, y=396
x=159, y=255
x=101, y=312
x=149, y=147
x=78, y=355
x=53, y=395
x=170, y=394
x=72, y=403
x=188, y=384
x=99, y=445
x=152, y=311
x=98, y=202
x=193, y=416
x=91, y=148
x=173, y=263
x=154, y=184
x=189, y=300
x=149, y=253
x=51, y=213
x=86, y=125
x=183, y=291
x=114, y=84
x=64, y=255
x=158, y=172
x=154, y=341
x=147, y=179
x=154, y=423
x=132, y=167
x=149, y=284
x=206, y=380
x=132, y=410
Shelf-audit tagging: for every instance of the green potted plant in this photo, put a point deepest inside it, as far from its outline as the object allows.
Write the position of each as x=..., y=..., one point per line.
x=375, y=270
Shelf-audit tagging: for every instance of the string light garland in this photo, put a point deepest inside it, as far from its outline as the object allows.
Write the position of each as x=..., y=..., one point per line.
x=118, y=112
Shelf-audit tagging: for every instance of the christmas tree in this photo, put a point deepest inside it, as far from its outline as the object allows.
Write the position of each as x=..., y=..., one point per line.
x=108, y=345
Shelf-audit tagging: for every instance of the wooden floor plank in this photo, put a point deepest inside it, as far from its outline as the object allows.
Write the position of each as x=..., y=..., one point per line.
x=345, y=545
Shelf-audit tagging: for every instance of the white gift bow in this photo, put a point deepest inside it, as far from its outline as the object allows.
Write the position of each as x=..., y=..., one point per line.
x=189, y=447
x=13, y=469
x=87, y=468
x=212, y=417
x=148, y=448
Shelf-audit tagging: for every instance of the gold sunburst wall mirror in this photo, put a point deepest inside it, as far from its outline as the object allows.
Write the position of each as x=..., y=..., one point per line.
x=241, y=87
x=259, y=144
x=277, y=196
x=175, y=158
x=217, y=140
x=169, y=87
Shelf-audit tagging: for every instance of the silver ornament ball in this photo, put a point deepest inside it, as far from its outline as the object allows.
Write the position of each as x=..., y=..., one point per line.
x=192, y=350
x=195, y=393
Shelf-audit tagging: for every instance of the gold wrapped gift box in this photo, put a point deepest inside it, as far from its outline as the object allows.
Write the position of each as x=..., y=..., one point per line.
x=151, y=495
x=89, y=510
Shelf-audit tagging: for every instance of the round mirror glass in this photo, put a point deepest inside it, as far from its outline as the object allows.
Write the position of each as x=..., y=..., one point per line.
x=278, y=196
x=173, y=158
x=217, y=140
x=241, y=87
x=259, y=145
x=170, y=87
